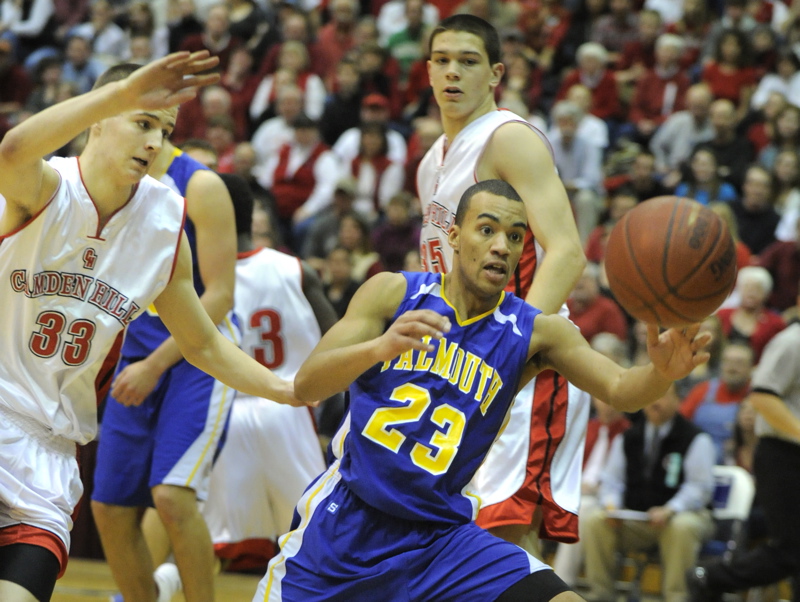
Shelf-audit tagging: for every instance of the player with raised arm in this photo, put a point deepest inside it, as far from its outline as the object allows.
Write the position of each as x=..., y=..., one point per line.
x=393, y=515
x=86, y=244
x=479, y=143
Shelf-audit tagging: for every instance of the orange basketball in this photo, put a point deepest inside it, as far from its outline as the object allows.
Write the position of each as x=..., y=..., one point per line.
x=670, y=261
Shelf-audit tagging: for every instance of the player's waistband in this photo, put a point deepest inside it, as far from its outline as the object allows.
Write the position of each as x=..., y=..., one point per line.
x=44, y=436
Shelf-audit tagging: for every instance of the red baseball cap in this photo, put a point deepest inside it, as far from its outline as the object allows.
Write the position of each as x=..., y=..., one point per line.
x=375, y=100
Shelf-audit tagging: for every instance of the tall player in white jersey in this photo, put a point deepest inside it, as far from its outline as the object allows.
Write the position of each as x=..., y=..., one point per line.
x=85, y=244
x=480, y=143
x=272, y=451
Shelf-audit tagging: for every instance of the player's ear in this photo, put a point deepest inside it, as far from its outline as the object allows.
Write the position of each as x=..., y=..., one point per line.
x=453, y=237
x=498, y=69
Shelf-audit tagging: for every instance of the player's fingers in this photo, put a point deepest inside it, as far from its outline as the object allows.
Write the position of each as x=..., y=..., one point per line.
x=701, y=341
x=691, y=331
x=200, y=62
x=429, y=317
x=700, y=357
x=652, y=335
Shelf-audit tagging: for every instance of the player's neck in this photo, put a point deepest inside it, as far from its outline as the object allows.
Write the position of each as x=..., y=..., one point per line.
x=107, y=193
x=467, y=302
x=453, y=125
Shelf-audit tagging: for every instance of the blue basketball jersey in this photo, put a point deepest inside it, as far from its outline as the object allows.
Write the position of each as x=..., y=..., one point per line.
x=422, y=423
x=147, y=332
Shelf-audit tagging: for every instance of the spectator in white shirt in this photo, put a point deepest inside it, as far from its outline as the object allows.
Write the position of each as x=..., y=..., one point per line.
x=275, y=132
x=374, y=108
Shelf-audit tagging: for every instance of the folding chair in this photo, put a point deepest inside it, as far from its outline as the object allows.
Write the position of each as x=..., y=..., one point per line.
x=734, y=489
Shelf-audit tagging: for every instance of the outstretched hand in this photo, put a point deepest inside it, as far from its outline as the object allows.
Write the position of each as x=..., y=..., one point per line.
x=171, y=80
x=675, y=353
x=408, y=331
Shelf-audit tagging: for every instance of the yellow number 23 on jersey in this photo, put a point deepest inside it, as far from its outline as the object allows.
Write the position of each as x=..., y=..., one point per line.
x=436, y=459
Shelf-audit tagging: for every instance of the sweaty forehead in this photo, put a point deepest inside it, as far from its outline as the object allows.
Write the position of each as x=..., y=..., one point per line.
x=486, y=203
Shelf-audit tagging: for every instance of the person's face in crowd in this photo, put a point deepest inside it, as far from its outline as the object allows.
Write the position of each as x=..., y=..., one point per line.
x=735, y=366
x=52, y=75
x=204, y=156
x=131, y=141
x=374, y=114
x=788, y=123
x=723, y=116
x=78, y=51
x=587, y=289
x=294, y=28
x=342, y=201
x=101, y=14
x=139, y=15
x=787, y=167
x=343, y=12
x=292, y=59
x=221, y=138
x=350, y=235
x=756, y=188
x=581, y=96
x=704, y=166
x=762, y=41
x=730, y=50
x=649, y=28
x=488, y=243
x=667, y=56
x=776, y=102
x=261, y=229
x=217, y=22
x=244, y=160
x=620, y=205
x=567, y=126
x=306, y=136
x=240, y=61
x=216, y=101
x=289, y=105
x=752, y=295
x=397, y=214
x=643, y=168
x=370, y=61
x=785, y=68
x=619, y=8
x=372, y=144
x=365, y=32
x=519, y=69
x=340, y=266
x=347, y=79
x=663, y=410
x=140, y=50
x=414, y=13
x=698, y=102
x=460, y=74
x=590, y=65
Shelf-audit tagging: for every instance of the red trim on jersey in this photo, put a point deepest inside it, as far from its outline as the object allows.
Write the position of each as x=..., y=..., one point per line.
x=38, y=213
x=102, y=383
x=35, y=536
x=178, y=245
x=548, y=425
x=86, y=188
x=247, y=554
x=246, y=254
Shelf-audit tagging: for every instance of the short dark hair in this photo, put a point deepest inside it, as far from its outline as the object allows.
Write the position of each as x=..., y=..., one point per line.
x=115, y=74
x=495, y=187
x=243, y=201
x=474, y=25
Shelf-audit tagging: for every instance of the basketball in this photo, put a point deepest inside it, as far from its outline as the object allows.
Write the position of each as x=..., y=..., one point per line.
x=670, y=261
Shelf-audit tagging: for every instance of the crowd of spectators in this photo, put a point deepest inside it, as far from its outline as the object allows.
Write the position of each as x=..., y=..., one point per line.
x=324, y=107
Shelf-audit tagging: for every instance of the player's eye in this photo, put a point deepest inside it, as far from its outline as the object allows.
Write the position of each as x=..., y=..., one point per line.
x=486, y=230
x=145, y=125
x=165, y=134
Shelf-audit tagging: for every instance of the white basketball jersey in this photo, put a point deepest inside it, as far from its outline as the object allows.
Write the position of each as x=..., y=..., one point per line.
x=279, y=325
x=69, y=287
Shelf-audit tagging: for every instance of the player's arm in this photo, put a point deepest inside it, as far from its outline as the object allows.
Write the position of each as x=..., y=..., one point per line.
x=557, y=344
x=518, y=155
x=322, y=308
x=27, y=182
x=776, y=413
x=211, y=210
x=204, y=346
x=358, y=341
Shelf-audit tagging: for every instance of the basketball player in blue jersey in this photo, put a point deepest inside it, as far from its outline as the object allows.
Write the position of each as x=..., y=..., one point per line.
x=391, y=519
x=164, y=417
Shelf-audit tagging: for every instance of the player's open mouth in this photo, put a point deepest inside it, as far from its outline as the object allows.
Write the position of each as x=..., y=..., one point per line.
x=452, y=92
x=141, y=162
x=496, y=268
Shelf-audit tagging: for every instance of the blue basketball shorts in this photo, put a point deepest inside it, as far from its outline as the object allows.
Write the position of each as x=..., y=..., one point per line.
x=342, y=549
x=172, y=438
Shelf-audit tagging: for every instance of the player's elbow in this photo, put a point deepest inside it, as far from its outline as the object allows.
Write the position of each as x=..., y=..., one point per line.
x=304, y=387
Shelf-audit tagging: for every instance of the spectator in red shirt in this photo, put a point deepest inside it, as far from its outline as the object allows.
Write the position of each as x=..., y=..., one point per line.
x=593, y=73
x=293, y=27
x=592, y=312
x=639, y=56
x=694, y=27
x=751, y=322
x=621, y=202
x=216, y=36
x=714, y=404
x=336, y=38
x=730, y=75
x=661, y=91
x=782, y=260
